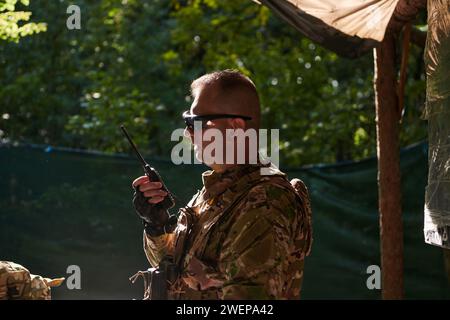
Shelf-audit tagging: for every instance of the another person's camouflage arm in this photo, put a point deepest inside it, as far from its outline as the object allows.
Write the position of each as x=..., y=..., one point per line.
x=156, y=248
x=263, y=253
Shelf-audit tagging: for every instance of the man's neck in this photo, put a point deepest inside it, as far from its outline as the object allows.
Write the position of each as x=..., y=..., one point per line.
x=222, y=167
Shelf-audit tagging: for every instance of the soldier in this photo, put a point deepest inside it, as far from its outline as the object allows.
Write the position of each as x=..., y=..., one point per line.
x=244, y=235
x=17, y=283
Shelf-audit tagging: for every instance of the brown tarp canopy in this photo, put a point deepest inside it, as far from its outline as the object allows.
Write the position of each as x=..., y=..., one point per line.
x=347, y=27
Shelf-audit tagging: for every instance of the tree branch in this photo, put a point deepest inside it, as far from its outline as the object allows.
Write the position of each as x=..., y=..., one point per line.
x=405, y=11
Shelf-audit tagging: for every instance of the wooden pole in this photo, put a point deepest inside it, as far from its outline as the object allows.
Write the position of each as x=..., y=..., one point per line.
x=389, y=177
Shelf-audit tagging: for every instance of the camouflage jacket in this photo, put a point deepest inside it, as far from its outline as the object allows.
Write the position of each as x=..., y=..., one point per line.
x=242, y=236
x=16, y=283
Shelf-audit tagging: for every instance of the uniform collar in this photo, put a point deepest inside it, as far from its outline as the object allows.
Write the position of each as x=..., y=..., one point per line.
x=216, y=183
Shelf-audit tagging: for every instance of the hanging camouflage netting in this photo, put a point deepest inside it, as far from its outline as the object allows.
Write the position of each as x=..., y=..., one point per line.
x=437, y=58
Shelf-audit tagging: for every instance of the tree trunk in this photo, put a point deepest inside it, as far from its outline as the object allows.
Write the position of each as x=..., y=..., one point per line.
x=389, y=180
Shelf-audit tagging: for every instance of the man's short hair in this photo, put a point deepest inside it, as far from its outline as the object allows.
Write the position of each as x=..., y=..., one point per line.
x=226, y=80
x=230, y=83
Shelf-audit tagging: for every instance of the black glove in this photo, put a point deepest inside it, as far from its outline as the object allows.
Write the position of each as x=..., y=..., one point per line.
x=156, y=218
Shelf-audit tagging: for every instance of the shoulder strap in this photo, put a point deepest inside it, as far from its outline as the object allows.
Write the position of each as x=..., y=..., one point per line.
x=305, y=203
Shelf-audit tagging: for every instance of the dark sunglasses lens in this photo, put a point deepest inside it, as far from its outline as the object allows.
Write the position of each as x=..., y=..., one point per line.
x=189, y=123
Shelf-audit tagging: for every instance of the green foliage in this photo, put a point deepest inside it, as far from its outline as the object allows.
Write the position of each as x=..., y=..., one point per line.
x=323, y=104
x=132, y=63
x=10, y=30
x=128, y=82
x=41, y=81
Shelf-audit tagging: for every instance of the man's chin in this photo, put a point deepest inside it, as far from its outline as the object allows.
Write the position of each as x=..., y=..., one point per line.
x=207, y=162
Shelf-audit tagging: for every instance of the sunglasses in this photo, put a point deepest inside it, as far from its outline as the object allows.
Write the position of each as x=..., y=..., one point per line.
x=189, y=119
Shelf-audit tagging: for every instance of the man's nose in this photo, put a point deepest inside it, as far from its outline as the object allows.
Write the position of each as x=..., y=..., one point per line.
x=188, y=133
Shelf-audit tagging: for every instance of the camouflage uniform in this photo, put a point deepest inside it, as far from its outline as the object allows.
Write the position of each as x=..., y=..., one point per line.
x=243, y=236
x=16, y=283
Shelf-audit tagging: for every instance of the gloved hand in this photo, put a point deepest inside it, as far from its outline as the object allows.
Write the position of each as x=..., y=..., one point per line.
x=148, y=202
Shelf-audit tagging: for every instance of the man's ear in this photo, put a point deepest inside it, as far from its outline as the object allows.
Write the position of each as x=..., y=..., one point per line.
x=238, y=123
